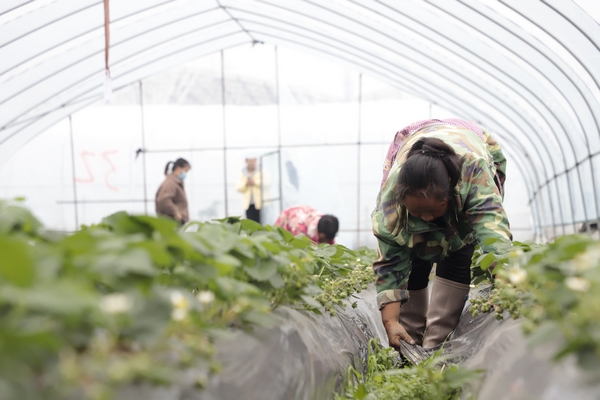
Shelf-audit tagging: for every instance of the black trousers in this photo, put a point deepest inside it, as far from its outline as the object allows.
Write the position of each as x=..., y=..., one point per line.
x=253, y=214
x=455, y=267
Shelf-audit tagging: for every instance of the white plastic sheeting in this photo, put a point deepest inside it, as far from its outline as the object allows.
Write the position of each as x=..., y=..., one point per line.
x=528, y=71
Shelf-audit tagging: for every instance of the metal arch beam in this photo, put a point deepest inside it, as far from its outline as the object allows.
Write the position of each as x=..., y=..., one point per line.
x=594, y=117
x=99, y=96
x=582, y=31
x=571, y=200
x=572, y=208
x=353, y=62
x=50, y=23
x=344, y=43
x=584, y=99
x=536, y=68
x=174, y=38
x=534, y=147
x=114, y=44
x=14, y=8
x=448, y=105
x=95, y=73
x=568, y=137
x=543, y=142
x=554, y=37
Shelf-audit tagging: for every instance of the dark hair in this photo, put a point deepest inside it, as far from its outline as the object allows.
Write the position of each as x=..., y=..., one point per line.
x=180, y=162
x=328, y=225
x=429, y=164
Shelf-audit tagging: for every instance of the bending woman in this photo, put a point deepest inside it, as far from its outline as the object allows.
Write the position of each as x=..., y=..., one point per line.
x=171, y=200
x=442, y=192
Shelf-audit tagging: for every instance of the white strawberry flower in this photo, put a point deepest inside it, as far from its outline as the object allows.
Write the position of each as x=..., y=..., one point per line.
x=205, y=297
x=116, y=303
x=577, y=284
x=517, y=275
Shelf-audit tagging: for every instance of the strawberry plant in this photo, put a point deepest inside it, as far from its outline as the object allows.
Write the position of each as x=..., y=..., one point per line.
x=134, y=298
x=387, y=378
x=555, y=288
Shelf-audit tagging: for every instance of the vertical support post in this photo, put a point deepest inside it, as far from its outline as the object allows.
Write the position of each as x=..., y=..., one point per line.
x=262, y=187
x=278, y=108
x=73, y=172
x=143, y=125
x=358, y=152
x=223, y=102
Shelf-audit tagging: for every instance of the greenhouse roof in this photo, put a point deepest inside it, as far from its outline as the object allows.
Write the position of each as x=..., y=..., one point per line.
x=526, y=70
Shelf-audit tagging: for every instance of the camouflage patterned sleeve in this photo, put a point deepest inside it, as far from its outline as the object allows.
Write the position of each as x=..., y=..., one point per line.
x=392, y=266
x=499, y=159
x=483, y=203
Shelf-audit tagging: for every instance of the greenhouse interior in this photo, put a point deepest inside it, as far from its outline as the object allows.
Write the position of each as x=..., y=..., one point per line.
x=228, y=199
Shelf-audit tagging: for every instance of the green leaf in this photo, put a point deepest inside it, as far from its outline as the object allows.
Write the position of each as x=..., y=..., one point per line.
x=229, y=287
x=63, y=298
x=157, y=252
x=487, y=260
x=310, y=301
x=361, y=392
x=150, y=318
x=123, y=223
x=134, y=261
x=165, y=226
x=227, y=260
x=261, y=319
x=251, y=226
x=16, y=263
x=301, y=243
x=276, y=281
x=287, y=236
x=229, y=220
x=263, y=269
x=17, y=219
x=458, y=377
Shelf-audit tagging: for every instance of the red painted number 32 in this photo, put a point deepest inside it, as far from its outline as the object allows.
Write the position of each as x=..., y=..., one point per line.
x=85, y=156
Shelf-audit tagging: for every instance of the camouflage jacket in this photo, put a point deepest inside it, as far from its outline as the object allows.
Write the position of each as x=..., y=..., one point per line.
x=479, y=214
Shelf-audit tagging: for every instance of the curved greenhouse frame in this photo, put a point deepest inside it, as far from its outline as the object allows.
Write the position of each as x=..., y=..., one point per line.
x=526, y=71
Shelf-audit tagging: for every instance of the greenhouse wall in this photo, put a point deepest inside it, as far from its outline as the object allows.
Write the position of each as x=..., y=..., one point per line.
x=329, y=136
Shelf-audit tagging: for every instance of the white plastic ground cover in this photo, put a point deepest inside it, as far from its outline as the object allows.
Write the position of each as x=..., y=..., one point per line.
x=305, y=356
x=514, y=370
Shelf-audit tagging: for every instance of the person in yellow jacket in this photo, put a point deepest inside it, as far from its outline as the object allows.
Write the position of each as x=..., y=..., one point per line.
x=249, y=185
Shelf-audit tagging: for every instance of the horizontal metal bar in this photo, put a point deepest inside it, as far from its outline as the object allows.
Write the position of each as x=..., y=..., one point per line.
x=102, y=201
x=267, y=147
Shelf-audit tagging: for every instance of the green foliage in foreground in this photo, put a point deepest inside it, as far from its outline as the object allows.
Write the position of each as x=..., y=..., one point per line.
x=137, y=299
x=386, y=378
x=555, y=288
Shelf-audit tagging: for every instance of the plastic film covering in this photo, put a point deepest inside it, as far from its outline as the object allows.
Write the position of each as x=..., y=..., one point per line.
x=304, y=356
x=514, y=369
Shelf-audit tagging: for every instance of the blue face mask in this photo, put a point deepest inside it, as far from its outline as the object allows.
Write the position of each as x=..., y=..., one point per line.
x=182, y=175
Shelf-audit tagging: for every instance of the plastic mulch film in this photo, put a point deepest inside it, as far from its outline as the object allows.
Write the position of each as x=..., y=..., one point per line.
x=513, y=368
x=305, y=356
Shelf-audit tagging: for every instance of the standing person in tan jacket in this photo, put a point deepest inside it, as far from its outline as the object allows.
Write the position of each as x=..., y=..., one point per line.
x=171, y=200
x=249, y=185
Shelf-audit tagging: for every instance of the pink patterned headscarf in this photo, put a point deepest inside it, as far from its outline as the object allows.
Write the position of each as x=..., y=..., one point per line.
x=412, y=128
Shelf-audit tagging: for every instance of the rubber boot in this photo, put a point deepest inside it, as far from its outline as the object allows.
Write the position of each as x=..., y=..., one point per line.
x=445, y=306
x=413, y=314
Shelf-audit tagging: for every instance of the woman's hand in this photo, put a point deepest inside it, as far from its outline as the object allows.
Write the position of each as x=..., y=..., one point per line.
x=393, y=328
x=178, y=216
x=396, y=333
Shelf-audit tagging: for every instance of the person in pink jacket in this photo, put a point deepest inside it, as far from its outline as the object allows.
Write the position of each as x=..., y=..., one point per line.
x=308, y=221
